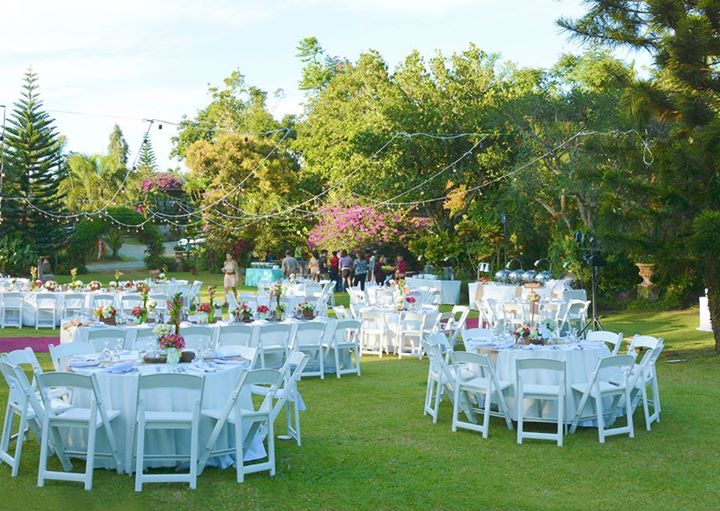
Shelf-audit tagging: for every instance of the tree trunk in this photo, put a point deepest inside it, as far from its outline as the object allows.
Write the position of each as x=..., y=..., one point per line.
x=712, y=281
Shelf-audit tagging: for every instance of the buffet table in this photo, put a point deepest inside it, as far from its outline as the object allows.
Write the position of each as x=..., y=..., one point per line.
x=449, y=289
x=253, y=276
x=508, y=292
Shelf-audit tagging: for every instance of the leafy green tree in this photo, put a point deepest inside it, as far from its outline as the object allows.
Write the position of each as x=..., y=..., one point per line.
x=682, y=98
x=34, y=168
x=319, y=68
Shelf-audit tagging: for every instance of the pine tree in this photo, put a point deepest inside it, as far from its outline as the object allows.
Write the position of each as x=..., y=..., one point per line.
x=146, y=159
x=117, y=150
x=34, y=168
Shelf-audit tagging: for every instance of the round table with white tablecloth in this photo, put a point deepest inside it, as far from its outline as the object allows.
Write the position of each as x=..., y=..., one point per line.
x=580, y=362
x=119, y=392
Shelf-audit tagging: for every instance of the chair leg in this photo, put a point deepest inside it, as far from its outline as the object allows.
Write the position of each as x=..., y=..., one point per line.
x=561, y=418
x=628, y=413
x=271, y=447
x=337, y=362
x=139, y=454
x=520, y=416
x=456, y=408
x=19, y=444
x=600, y=418
x=194, y=451
x=90, y=461
x=42, y=468
x=239, y=452
x=7, y=430
x=486, y=418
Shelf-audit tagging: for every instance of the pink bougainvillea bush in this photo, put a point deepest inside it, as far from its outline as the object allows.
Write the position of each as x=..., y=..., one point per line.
x=363, y=226
x=162, y=181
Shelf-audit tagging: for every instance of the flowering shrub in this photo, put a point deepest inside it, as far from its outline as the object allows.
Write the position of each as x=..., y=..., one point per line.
x=172, y=341
x=360, y=226
x=162, y=181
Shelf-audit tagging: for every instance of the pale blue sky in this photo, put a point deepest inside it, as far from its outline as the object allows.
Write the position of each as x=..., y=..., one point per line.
x=154, y=58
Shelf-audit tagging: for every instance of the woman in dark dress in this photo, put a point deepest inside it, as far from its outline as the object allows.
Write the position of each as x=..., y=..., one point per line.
x=378, y=272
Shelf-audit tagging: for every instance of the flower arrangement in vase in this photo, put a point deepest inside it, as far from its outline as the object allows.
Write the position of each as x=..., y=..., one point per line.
x=137, y=313
x=95, y=285
x=211, y=304
x=106, y=314
x=305, y=310
x=262, y=311
x=175, y=308
x=244, y=313
x=36, y=285
x=173, y=345
x=411, y=300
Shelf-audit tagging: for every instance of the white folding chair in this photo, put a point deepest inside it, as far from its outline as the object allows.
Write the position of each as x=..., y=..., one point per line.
x=73, y=305
x=60, y=353
x=310, y=340
x=477, y=384
x=609, y=381
x=232, y=303
x=373, y=333
x=24, y=404
x=249, y=424
x=93, y=418
x=160, y=300
x=145, y=340
x=292, y=372
x=527, y=373
x=273, y=345
x=458, y=324
x=11, y=309
x=149, y=387
x=611, y=338
x=345, y=343
x=100, y=300
x=441, y=376
x=46, y=310
x=410, y=334
x=106, y=339
x=235, y=335
x=250, y=299
x=474, y=336
x=130, y=300
x=576, y=312
x=341, y=312
x=197, y=338
x=644, y=374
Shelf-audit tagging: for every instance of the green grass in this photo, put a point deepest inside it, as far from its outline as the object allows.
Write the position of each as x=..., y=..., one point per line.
x=367, y=445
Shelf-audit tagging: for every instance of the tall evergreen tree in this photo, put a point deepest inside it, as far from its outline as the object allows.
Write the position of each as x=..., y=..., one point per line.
x=146, y=160
x=34, y=168
x=117, y=150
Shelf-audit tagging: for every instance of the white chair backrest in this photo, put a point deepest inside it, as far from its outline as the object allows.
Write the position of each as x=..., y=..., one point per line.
x=197, y=337
x=24, y=357
x=644, y=341
x=130, y=300
x=12, y=299
x=46, y=300
x=61, y=352
x=607, y=369
x=235, y=335
x=100, y=299
x=160, y=300
x=311, y=333
x=102, y=338
x=74, y=301
x=372, y=320
x=232, y=302
x=340, y=312
x=153, y=387
x=615, y=340
x=275, y=335
x=477, y=334
x=346, y=330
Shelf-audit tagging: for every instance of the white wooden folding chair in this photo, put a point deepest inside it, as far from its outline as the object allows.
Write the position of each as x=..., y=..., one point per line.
x=248, y=424
x=441, y=376
x=345, y=344
x=288, y=396
x=197, y=338
x=145, y=340
x=46, y=310
x=610, y=380
x=644, y=374
x=128, y=301
x=106, y=339
x=410, y=333
x=273, y=345
x=525, y=388
x=460, y=314
x=100, y=300
x=11, y=309
x=149, y=386
x=232, y=303
x=477, y=384
x=472, y=336
x=575, y=312
x=91, y=418
x=24, y=404
x=73, y=305
x=160, y=298
x=341, y=312
x=60, y=353
x=310, y=340
x=235, y=335
x=611, y=338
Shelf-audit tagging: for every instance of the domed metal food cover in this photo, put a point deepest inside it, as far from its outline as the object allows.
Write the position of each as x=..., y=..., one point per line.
x=502, y=275
x=543, y=277
x=516, y=276
x=529, y=276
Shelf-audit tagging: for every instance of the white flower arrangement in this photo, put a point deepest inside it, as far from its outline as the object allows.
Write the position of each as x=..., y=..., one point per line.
x=162, y=329
x=77, y=284
x=50, y=285
x=105, y=312
x=161, y=276
x=113, y=284
x=151, y=304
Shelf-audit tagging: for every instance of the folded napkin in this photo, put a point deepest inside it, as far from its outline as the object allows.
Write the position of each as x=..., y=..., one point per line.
x=121, y=368
x=84, y=361
x=128, y=355
x=230, y=362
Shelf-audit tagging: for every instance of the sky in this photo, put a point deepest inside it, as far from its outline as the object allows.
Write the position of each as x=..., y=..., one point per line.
x=122, y=62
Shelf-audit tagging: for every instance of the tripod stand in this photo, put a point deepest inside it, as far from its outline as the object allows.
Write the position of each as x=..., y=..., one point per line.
x=594, y=323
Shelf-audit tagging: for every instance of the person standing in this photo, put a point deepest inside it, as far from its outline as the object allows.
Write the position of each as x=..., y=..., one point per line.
x=334, y=269
x=323, y=264
x=231, y=271
x=371, y=266
x=314, y=265
x=360, y=268
x=400, y=267
x=289, y=264
x=346, y=266
x=378, y=272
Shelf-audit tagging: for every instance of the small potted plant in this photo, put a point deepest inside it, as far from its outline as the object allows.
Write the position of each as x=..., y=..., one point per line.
x=305, y=310
x=173, y=345
x=262, y=311
x=522, y=334
x=137, y=314
x=106, y=314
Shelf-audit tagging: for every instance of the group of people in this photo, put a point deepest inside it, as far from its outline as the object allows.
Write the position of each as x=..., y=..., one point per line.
x=346, y=270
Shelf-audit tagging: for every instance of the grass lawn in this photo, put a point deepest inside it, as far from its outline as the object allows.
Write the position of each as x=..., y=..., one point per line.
x=367, y=445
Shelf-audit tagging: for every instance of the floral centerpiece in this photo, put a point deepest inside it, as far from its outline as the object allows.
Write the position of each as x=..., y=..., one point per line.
x=137, y=313
x=106, y=314
x=244, y=313
x=117, y=276
x=211, y=304
x=113, y=284
x=33, y=273
x=172, y=344
x=51, y=285
x=305, y=310
x=277, y=291
x=175, y=307
x=411, y=300
x=203, y=311
x=144, y=291
x=262, y=311
x=36, y=285
x=95, y=285
x=77, y=285
x=527, y=335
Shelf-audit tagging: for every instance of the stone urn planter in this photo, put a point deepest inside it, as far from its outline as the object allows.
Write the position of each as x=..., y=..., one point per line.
x=647, y=289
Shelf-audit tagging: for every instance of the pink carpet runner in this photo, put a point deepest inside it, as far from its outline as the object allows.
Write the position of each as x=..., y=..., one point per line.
x=38, y=344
